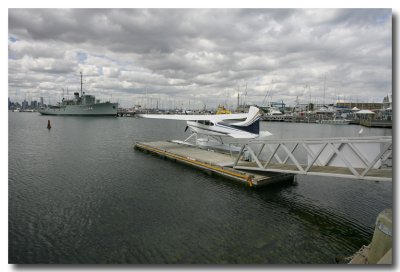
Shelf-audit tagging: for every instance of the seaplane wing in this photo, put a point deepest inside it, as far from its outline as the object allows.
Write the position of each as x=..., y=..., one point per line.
x=184, y=117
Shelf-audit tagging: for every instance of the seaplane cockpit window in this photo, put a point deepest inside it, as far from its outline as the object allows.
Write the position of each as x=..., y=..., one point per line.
x=205, y=122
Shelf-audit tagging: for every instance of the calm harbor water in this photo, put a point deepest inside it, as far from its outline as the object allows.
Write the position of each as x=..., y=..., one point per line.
x=80, y=193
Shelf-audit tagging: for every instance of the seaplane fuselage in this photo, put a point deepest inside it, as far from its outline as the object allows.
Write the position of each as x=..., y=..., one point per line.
x=241, y=125
x=219, y=129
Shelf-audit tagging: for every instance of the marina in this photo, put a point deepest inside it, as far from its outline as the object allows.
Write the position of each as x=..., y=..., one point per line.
x=381, y=117
x=200, y=136
x=134, y=189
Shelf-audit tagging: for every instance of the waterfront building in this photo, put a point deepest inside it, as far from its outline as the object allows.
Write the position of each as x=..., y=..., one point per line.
x=34, y=104
x=360, y=105
x=387, y=101
x=25, y=104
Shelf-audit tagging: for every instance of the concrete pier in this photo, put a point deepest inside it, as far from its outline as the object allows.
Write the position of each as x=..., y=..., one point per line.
x=210, y=161
x=380, y=249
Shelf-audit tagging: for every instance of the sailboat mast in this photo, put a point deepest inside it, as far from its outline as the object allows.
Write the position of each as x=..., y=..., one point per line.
x=81, y=84
x=324, y=89
x=238, y=99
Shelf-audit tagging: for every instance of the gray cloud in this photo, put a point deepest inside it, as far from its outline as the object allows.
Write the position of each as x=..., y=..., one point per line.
x=203, y=54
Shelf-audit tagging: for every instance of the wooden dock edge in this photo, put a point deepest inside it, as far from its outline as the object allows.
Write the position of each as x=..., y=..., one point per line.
x=227, y=172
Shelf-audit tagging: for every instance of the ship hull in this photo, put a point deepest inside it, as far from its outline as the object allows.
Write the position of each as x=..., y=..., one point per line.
x=100, y=109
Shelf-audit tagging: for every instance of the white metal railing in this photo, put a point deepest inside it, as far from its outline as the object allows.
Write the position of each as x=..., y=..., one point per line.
x=351, y=157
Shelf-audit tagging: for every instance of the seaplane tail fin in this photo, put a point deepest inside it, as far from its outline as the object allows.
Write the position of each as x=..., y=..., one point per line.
x=253, y=115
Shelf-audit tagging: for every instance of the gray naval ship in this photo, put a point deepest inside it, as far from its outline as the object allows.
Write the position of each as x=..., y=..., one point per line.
x=83, y=105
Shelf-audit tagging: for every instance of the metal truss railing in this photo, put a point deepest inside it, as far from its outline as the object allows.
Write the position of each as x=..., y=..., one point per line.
x=352, y=157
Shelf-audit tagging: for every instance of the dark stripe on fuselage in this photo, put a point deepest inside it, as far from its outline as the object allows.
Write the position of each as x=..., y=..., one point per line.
x=224, y=133
x=253, y=128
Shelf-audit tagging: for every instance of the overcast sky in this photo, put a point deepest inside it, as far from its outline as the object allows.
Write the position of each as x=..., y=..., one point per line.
x=201, y=56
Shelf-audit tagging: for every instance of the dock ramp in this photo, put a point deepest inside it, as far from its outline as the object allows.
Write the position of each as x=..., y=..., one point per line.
x=364, y=158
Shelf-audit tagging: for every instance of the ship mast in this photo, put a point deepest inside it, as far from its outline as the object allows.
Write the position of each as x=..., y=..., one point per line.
x=81, y=84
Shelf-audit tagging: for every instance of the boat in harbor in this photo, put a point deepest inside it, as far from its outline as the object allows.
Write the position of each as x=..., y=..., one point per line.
x=334, y=121
x=81, y=105
x=222, y=110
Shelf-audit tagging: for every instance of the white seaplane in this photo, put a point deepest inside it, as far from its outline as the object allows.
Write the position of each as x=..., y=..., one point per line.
x=237, y=125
